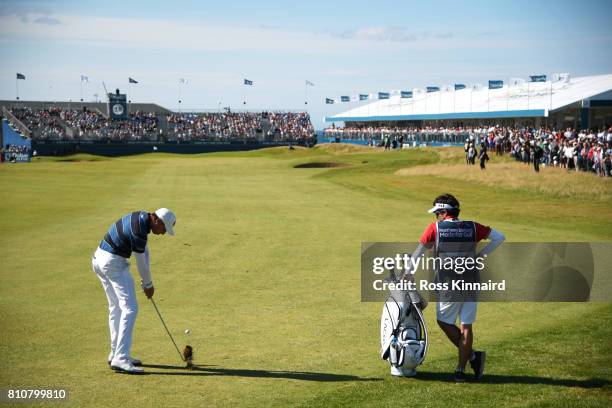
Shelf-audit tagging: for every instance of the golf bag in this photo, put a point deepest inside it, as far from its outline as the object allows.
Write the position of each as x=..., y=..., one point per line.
x=403, y=334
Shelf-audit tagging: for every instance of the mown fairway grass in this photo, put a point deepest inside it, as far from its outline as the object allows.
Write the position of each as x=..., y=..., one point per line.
x=264, y=270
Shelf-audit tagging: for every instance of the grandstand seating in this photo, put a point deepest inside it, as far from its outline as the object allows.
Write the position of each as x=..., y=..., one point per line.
x=54, y=123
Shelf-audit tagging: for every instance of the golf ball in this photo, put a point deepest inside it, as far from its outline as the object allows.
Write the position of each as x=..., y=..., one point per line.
x=187, y=331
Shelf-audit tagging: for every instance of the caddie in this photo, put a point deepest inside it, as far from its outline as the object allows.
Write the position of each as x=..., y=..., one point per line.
x=110, y=263
x=452, y=239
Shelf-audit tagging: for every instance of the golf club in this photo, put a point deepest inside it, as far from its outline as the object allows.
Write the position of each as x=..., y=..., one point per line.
x=167, y=331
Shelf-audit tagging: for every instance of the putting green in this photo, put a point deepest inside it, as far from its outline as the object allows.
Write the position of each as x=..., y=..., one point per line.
x=264, y=271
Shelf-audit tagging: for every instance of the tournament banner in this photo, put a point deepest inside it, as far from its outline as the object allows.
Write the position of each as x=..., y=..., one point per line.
x=383, y=95
x=406, y=94
x=345, y=99
x=433, y=89
x=363, y=97
x=329, y=101
x=459, y=87
x=496, y=84
x=117, y=106
x=537, y=78
x=16, y=157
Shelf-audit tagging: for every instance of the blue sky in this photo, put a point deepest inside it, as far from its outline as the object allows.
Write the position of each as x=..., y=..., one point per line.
x=343, y=47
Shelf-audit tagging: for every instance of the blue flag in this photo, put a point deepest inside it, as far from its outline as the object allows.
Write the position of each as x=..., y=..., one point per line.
x=433, y=89
x=459, y=86
x=20, y=76
x=329, y=101
x=405, y=94
x=496, y=84
x=383, y=95
x=132, y=80
x=345, y=99
x=248, y=82
x=537, y=78
x=363, y=97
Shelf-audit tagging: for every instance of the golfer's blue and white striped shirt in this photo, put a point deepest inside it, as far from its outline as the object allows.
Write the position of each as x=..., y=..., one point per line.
x=127, y=235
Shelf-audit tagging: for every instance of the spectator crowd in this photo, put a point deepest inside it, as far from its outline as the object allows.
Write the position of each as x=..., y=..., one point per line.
x=572, y=149
x=240, y=125
x=54, y=124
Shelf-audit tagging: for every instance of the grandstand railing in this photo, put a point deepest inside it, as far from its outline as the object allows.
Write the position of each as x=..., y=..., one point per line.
x=23, y=129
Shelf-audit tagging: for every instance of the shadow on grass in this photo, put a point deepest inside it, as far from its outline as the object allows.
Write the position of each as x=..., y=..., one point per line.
x=517, y=379
x=232, y=372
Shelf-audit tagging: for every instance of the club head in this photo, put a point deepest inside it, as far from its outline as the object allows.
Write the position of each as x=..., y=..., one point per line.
x=188, y=356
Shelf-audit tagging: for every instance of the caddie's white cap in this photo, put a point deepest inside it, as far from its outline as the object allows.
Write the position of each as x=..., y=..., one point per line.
x=168, y=218
x=440, y=207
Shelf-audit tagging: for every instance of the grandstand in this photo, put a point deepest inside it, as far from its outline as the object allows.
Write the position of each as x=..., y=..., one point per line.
x=559, y=102
x=65, y=127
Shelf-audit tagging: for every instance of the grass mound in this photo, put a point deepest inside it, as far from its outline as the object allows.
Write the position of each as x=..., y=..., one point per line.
x=79, y=157
x=345, y=148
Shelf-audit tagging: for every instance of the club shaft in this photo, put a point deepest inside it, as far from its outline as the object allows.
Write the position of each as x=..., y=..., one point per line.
x=167, y=331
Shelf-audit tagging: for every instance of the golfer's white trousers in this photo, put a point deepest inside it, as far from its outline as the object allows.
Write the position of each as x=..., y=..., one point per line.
x=114, y=273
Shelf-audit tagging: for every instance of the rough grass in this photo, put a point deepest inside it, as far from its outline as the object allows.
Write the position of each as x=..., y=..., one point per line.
x=551, y=181
x=264, y=270
x=345, y=148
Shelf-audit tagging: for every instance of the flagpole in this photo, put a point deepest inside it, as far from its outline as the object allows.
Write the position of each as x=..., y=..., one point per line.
x=508, y=96
x=81, y=89
x=17, y=87
x=305, y=93
x=528, y=93
x=550, y=106
x=179, y=96
x=471, y=92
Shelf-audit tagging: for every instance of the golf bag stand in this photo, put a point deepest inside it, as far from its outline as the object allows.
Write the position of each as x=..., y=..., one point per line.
x=403, y=333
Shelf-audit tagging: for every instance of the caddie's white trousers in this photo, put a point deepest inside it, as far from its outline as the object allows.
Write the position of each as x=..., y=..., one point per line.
x=114, y=273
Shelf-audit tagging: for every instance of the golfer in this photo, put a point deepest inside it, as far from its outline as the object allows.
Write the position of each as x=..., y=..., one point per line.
x=110, y=262
x=454, y=238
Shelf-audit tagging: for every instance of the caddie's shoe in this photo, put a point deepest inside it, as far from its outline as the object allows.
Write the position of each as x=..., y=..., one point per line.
x=459, y=376
x=125, y=366
x=478, y=364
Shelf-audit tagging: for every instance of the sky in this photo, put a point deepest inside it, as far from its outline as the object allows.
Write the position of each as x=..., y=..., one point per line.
x=342, y=47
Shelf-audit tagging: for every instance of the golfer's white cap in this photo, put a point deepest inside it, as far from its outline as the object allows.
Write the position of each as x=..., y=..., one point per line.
x=440, y=207
x=168, y=218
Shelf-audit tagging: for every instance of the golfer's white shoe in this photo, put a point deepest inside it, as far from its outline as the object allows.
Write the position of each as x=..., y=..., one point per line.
x=133, y=360
x=125, y=366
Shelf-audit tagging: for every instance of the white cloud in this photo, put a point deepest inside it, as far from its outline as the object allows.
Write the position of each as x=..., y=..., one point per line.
x=47, y=20
x=149, y=33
